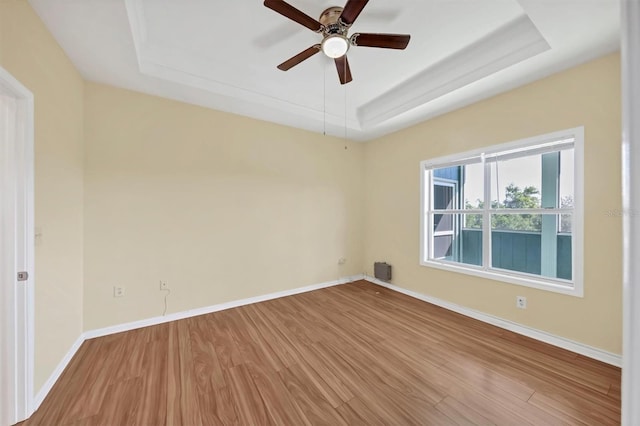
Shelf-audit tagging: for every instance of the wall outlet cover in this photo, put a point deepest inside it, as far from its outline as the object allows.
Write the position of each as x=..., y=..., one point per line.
x=521, y=302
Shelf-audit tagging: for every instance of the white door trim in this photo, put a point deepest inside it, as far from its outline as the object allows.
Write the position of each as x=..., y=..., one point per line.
x=630, y=50
x=20, y=155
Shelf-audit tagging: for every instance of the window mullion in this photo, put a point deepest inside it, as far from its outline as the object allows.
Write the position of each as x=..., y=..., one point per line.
x=430, y=231
x=486, y=216
x=532, y=211
x=431, y=248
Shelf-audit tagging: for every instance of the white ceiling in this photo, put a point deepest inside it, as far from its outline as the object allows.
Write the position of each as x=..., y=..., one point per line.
x=223, y=54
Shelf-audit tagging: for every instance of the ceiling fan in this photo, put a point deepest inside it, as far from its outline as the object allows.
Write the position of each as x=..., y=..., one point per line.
x=334, y=24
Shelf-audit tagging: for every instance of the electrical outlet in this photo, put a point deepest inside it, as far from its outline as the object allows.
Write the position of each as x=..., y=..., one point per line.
x=164, y=285
x=342, y=261
x=118, y=291
x=521, y=302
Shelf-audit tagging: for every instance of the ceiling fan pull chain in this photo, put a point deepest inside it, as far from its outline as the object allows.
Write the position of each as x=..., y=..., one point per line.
x=324, y=107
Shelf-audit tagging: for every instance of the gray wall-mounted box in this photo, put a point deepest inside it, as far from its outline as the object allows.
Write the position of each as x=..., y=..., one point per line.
x=382, y=271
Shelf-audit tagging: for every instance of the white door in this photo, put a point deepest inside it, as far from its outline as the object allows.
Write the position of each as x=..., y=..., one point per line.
x=16, y=250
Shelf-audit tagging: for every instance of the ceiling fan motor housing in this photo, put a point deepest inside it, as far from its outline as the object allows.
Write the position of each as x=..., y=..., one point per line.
x=330, y=20
x=330, y=16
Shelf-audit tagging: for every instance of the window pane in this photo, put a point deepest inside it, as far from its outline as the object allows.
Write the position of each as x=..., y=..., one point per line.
x=472, y=221
x=473, y=186
x=517, y=222
x=462, y=242
x=442, y=246
x=451, y=174
x=471, y=240
x=443, y=196
x=566, y=178
x=531, y=244
x=565, y=224
x=516, y=182
x=442, y=223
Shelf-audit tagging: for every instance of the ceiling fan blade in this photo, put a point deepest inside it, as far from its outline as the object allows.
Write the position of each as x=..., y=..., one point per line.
x=386, y=41
x=344, y=72
x=302, y=56
x=285, y=9
x=351, y=11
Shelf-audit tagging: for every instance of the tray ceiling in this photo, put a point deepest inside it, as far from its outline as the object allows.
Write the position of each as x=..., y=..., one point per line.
x=223, y=55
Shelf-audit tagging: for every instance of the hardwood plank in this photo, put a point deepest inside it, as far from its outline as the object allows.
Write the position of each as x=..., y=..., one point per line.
x=396, y=406
x=357, y=413
x=277, y=399
x=226, y=350
x=579, y=413
x=260, y=341
x=188, y=387
x=249, y=404
x=615, y=392
x=153, y=398
x=285, y=355
x=480, y=376
x=538, y=346
x=460, y=413
x=544, y=380
x=329, y=375
x=92, y=371
x=121, y=402
x=174, y=411
x=209, y=374
x=309, y=397
x=216, y=407
x=306, y=374
x=390, y=371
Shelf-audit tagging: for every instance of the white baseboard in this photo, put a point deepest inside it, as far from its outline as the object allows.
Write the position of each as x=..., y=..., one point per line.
x=561, y=342
x=46, y=388
x=214, y=308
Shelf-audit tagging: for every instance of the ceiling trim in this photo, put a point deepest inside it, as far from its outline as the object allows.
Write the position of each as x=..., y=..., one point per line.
x=135, y=13
x=514, y=42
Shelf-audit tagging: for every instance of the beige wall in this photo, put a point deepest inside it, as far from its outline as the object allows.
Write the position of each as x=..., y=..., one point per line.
x=589, y=96
x=30, y=54
x=220, y=206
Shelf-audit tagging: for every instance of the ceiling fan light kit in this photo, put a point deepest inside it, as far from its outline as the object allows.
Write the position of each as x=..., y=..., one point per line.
x=334, y=25
x=335, y=46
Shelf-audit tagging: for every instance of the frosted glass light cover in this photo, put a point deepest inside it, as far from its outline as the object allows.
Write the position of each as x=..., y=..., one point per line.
x=335, y=46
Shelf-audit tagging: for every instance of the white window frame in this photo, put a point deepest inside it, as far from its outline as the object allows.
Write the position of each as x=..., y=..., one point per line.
x=573, y=287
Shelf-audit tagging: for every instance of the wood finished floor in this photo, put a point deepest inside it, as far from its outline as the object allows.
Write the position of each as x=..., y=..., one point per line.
x=353, y=354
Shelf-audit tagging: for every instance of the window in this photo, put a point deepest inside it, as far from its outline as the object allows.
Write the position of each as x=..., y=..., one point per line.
x=511, y=212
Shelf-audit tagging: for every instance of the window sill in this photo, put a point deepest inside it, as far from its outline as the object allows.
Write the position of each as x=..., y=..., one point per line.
x=525, y=281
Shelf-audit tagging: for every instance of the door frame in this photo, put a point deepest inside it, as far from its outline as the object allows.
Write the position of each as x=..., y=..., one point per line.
x=630, y=45
x=20, y=152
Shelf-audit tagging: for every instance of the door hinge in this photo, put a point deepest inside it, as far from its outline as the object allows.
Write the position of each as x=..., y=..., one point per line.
x=23, y=276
